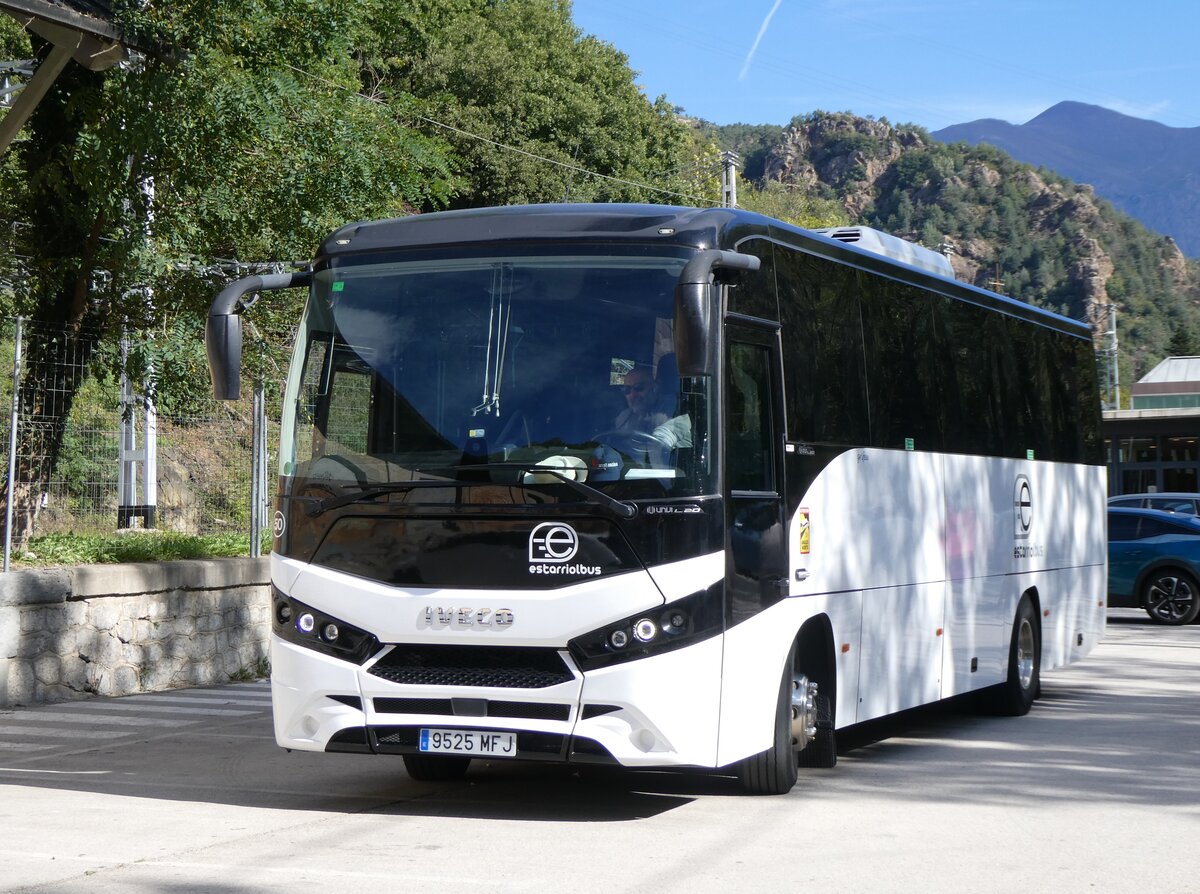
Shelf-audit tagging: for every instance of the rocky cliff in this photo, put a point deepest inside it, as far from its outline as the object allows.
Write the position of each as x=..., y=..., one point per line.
x=1005, y=225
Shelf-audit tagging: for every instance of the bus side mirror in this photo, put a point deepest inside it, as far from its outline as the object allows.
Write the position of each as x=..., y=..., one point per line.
x=223, y=330
x=693, y=331
x=694, y=348
x=223, y=342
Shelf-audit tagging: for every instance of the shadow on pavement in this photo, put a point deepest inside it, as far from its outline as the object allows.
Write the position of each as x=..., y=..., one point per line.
x=1086, y=739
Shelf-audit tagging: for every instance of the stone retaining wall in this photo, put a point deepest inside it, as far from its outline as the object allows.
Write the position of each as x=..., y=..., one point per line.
x=68, y=633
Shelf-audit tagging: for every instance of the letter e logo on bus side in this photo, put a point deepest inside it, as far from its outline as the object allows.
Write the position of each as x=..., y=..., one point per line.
x=1023, y=508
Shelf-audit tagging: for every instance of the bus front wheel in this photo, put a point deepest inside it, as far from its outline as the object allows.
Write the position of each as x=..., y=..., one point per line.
x=774, y=771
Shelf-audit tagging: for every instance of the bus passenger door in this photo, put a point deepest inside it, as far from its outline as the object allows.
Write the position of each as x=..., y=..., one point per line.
x=752, y=405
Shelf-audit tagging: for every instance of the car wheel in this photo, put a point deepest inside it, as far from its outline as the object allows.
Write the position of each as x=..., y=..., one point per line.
x=1171, y=596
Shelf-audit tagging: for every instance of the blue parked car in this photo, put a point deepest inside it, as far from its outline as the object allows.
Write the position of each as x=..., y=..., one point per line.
x=1154, y=563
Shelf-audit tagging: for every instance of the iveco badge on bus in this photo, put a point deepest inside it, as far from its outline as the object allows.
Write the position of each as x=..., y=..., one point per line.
x=437, y=616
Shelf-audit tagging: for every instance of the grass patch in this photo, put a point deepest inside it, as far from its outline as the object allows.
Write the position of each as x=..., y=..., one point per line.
x=259, y=671
x=134, y=546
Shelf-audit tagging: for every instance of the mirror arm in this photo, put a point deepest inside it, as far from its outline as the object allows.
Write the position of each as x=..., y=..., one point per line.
x=223, y=329
x=693, y=315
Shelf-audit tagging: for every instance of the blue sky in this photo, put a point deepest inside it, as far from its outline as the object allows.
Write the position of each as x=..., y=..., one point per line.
x=926, y=62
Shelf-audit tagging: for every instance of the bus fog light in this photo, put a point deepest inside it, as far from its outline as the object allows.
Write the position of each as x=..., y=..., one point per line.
x=645, y=630
x=329, y=633
x=675, y=622
x=619, y=639
x=283, y=612
x=305, y=623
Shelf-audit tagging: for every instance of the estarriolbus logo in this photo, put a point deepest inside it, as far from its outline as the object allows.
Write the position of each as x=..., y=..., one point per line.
x=552, y=546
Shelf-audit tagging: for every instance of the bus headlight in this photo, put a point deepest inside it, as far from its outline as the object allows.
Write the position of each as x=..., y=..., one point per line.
x=645, y=630
x=305, y=626
x=682, y=623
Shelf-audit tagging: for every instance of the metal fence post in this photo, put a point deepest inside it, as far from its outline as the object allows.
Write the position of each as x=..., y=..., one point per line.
x=12, y=444
x=258, y=473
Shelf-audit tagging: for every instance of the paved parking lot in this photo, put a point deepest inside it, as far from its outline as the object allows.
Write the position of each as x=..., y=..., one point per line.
x=1098, y=789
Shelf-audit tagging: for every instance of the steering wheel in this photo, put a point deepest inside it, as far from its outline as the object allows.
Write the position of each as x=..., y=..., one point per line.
x=629, y=444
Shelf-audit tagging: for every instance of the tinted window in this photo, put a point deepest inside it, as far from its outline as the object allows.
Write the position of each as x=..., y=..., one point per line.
x=980, y=355
x=748, y=439
x=1169, y=504
x=1157, y=527
x=1122, y=527
x=753, y=293
x=946, y=373
x=825, y=384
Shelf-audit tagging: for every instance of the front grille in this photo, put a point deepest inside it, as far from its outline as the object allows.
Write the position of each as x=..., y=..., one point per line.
x=529, y=710
x=507, y=667
x=445, y=706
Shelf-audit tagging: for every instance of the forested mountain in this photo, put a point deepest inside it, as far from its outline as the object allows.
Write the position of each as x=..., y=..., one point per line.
x=1144, y=168
x=1026, y=232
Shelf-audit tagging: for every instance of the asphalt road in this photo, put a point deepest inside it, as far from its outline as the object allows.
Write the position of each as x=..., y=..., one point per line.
x=1097, y=790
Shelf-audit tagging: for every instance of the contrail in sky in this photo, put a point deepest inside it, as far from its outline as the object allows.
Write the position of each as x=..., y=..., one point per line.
x=754, y=49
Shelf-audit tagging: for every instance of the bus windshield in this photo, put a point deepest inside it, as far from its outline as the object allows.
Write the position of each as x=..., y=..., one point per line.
x=527, y=368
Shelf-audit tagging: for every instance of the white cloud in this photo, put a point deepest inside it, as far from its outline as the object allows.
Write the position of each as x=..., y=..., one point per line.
x=762, y=30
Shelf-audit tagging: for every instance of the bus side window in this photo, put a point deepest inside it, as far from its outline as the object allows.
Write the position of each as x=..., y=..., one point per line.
x=749, y=431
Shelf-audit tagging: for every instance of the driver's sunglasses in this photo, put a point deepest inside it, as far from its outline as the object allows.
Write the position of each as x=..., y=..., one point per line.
x=630, y=389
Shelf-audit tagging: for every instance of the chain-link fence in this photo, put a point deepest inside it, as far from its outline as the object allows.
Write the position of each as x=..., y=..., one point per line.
x=81, y=451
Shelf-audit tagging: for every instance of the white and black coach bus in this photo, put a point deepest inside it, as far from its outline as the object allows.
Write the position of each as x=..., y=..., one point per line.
x=664, y=487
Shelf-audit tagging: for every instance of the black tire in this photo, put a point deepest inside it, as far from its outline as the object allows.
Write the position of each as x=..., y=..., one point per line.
x=1171, y=596
x=773, y=772
x=1014, y=697
x=436, y=767
x=821, y=752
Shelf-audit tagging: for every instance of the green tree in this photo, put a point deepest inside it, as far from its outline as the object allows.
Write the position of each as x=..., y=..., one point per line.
x=519, y=83
x=245, y=141
x=1184, y=342
x=793, y=204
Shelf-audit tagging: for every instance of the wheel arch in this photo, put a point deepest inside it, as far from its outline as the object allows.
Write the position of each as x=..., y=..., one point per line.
x=1035, y=601
x=816, y=658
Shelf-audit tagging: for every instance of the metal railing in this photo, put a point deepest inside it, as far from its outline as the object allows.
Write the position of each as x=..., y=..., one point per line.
x=74, y=439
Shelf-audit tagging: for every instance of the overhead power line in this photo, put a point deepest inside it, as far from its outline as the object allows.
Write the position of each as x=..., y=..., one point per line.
x=577, y=169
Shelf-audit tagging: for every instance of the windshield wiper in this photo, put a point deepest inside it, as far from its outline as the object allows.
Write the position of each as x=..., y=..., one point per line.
x=592, y=494
x=374, y=490
x=622, y=509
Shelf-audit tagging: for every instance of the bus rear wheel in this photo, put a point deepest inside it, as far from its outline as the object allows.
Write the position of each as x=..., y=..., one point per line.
x=435, y=767
x=1014, y=697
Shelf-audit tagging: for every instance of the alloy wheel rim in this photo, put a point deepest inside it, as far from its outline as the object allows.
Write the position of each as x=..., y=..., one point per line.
x=1170, y=598
x=1025, y=650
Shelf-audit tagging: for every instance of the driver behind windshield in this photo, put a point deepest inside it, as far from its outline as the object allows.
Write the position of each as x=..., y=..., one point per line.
x=642, y=412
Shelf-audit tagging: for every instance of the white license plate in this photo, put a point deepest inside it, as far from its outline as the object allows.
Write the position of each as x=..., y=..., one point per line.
x=476, y=742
